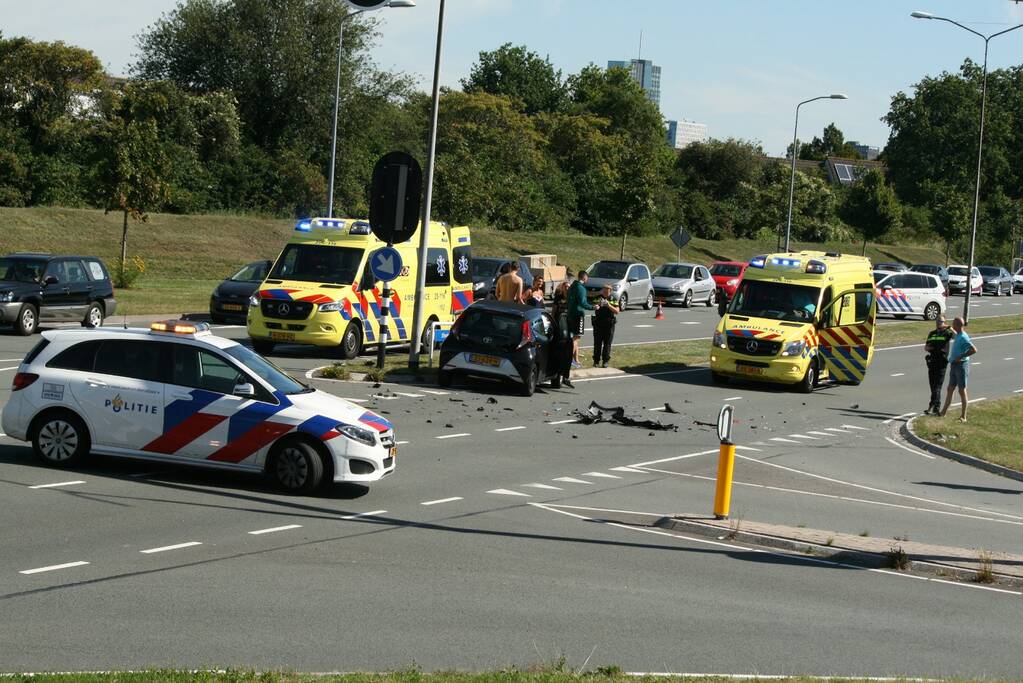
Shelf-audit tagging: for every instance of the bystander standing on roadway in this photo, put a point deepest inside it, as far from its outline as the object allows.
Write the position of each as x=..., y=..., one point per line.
x=577, y=307
x=937, y=361
x=509, y=286
x=564, y=349
x=604, y=321
x=959, y=367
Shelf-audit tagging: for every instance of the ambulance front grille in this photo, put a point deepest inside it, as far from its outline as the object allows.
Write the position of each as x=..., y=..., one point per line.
x=749, y=346
x=285, y=310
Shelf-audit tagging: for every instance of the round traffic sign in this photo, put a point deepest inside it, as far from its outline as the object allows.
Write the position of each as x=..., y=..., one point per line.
x=385, y=264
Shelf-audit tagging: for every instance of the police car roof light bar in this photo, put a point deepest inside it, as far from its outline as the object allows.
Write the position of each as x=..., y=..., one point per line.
x=179, y=327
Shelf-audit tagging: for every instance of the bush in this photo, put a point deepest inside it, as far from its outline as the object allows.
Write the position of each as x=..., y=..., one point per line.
x=125, y=274
x=336, y=371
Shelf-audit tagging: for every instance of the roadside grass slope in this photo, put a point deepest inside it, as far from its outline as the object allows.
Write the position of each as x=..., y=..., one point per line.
x=186, y=256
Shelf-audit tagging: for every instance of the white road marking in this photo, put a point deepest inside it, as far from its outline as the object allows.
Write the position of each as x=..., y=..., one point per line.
x=13, y=367
x=545, y=487
x=627, y=469
x=59, y=483
x=563, y=422
x=732, y=398
x=1017, y=391
x=642, y=325
x=571, y=480
x=409, y=395
x=804, y=436
x=53, y=567
x=862, y=429
x=836, y=429
x=165, y=548
x=996, y=304
x=898, y=374
x=907, y=448
x=977, y=362
x=781, y=440
x=1009, y=358
x=509, y=429
x=675, y=457
x=658, y=409
x=355, y=400
x=401, y=443
x=435, y=393
x=10, y=360
x=898, y=417
x=452, y=436
x=382, y=397
x=452, y=499
x=818, y=433
x=690, y=322
x=359, y=515
x=506, y=492
x=274, y=529
x=600, y=475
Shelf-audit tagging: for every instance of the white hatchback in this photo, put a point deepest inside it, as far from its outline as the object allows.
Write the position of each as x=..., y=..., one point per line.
x=176, y=393
x=902, y=294
x=957, y=280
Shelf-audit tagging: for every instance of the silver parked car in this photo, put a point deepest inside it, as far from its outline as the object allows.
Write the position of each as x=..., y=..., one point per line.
x=629, y=281
x=683, y=283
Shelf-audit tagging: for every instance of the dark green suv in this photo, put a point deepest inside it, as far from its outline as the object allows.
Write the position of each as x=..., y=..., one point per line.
x=37, y=288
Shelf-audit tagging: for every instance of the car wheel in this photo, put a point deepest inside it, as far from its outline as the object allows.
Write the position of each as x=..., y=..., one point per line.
x=532, y=379
x=556, y=382
x=28, y=320
x=623, y=301
x=297, y=467
x=712, y=298
x=444, y=378
x=263, y=347
x=932, y=311
x=424, y=338
x=94, y=316
x=60, y=438
x=649, y=303
x=809, y=380
x=687, y=300
x=718, y=377
x=351, y=341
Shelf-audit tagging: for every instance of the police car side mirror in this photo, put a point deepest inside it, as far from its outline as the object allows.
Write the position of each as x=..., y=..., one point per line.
x=244, y=390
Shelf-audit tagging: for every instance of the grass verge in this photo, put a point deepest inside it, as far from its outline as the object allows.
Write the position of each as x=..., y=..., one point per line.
x=992, y=433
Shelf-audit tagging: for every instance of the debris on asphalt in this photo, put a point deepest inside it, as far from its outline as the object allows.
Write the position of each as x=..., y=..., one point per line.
x=854, y=406
x=491, y=400
x=598, y=413
x=669, y=409
x=457, y=400
x=449, y=425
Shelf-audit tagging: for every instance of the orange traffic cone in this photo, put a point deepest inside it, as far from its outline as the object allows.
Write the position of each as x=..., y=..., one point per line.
x=660, y=310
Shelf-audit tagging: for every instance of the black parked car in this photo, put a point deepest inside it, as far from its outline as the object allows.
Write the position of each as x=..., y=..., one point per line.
x=997, y=280
x=485, y=272
x=230, y=299
x=932, y=269
x=38, y=288
x=499, y=340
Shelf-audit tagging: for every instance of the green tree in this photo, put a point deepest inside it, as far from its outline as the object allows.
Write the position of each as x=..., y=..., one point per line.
x=951, y=213
x=517, y=73
x=831, y=144
x=871, y=207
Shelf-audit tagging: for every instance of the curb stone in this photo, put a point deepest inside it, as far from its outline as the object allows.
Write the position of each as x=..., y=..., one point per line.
x=906, y=432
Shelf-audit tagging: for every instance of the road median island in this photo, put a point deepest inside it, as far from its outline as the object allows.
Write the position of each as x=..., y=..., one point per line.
x=990, y=440
x=976, y=565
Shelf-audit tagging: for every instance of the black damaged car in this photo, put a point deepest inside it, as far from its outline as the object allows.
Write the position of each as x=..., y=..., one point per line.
x=505, y=341
x=230, y=299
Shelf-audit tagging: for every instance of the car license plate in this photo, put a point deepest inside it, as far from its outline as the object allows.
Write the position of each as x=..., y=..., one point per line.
x=233, y=307
x=480, y=359
x=282, y=336
x=749, y=370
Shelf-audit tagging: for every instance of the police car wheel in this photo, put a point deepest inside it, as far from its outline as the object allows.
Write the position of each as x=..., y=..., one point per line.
x=262, y=346
x=532, y=379
x=297, y=467
x=28, y=320
x=351, y=342
x=94, y=316
x=60, y=438
x=649, y=303
x=688, y=300
x=932, y=312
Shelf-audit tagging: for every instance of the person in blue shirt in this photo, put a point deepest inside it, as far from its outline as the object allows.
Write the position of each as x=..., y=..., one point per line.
x=959, y=367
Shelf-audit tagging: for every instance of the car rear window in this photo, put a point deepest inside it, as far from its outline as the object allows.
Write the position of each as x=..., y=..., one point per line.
x=96, y=270
x=481, y=325
x=36, y=350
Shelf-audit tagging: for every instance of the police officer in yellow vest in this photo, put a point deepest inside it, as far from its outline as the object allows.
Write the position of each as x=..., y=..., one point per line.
x=937, y=361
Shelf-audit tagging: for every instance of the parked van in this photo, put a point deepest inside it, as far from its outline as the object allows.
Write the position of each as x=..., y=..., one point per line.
x=797, y=317
x=321, y=290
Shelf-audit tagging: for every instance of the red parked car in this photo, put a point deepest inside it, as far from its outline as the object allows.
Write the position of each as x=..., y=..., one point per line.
x=727, y=275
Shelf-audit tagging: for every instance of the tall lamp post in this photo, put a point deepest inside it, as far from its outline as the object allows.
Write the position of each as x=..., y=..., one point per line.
x=795, y=152
x=980, y=145
x=424, y=227
x=337, y=86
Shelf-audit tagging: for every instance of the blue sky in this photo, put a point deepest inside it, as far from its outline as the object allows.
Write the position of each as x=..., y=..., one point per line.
x=739, y=66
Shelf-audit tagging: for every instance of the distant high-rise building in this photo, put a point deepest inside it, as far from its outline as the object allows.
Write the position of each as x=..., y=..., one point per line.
x=646, y=74
x=683, y=133
x=867, y=152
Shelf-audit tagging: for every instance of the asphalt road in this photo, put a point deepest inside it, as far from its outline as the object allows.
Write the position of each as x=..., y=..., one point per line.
x=510, y=536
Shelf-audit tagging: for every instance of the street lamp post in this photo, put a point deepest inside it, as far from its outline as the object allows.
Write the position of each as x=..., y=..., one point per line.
x=980, y=146
x=795, y=143
x=337, y=92
x=424, y=228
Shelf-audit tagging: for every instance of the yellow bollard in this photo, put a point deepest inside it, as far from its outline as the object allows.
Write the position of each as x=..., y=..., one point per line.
x=723, y=491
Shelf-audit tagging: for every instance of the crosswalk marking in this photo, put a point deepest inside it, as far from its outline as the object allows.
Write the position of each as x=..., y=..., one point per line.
x=780, y=439
x=804, y=436
x=600, y=475
x=627, y=469
x=571, y=480
x=506, y=492
x=545, y=487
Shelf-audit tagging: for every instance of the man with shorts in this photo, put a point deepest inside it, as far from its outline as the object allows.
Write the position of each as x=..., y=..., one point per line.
x=959, y=367
x=577, y=307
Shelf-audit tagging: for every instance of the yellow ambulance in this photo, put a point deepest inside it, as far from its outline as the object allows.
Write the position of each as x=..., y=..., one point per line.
x=321, y=290
x=796, y=318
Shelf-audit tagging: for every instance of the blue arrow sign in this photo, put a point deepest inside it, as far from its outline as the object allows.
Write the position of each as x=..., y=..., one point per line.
x=385, y=264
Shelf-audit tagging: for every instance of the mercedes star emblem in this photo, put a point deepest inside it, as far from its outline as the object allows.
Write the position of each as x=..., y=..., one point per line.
x=283, y=309
x=752, y=346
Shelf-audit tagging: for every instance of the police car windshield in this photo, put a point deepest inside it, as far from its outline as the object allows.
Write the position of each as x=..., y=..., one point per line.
x=674, y=270
x=21, y=270
x=267, y=371
x=775, y=300
x=315, y=263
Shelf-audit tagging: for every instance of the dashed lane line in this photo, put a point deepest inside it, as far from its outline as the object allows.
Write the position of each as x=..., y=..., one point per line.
x=510, y=429
x=1009, y=358
x=571, y=480
x=627, y=469
x=803, y=436
x=600, y=475
x=782, y=440
x=642, y=325
x=57, y=484
x=819, y=433
x=441, y=501
x=732, y=398
x=862, y=429
x=165, y=548
x=545, y=487
x=401, y=443
x=53, y=567
x=898, y=374
x=434, y=392
x=360, y=515
x=275, y=529
x=836, y=429
x=508, y=492
x=400, y=393
x=452, y=436
x=13, y=367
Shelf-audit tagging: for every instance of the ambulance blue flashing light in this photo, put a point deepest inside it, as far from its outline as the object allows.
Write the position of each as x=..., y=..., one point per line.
x=360, y=228
x=785, y=262
x=304, y=225
x=758, y=261
x=817, y=267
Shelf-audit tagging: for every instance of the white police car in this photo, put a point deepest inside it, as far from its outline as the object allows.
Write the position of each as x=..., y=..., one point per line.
x=176, y=393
